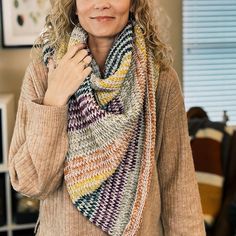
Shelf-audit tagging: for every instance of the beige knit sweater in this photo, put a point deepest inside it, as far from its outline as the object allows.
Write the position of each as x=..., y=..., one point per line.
x=38, y=150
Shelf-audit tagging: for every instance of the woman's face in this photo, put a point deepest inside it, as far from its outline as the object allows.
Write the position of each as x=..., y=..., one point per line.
x=103, y=18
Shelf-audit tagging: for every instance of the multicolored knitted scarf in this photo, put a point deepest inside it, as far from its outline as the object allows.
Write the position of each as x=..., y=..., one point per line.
x=111, y=129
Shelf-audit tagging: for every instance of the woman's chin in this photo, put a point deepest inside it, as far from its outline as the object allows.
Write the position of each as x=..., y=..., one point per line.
x=103, y=34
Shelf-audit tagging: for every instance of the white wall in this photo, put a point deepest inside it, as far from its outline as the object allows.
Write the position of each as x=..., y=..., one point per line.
x=173, y=9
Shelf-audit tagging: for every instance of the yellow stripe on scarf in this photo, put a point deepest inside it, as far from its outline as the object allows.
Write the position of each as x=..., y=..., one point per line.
x=88, y=185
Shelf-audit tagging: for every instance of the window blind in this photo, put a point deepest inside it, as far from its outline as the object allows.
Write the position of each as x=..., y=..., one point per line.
x=209, y=56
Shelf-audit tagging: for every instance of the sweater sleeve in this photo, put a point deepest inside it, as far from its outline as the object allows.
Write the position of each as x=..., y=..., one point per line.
x=180, y=202
x=39, y=143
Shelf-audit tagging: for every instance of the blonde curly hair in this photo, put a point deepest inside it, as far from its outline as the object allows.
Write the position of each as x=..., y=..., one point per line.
x=62, y=17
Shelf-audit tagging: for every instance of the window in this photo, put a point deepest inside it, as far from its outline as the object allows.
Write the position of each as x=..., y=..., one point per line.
x=209, y=56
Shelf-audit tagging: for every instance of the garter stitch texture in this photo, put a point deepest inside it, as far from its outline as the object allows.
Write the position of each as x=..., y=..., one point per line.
x=111, y=129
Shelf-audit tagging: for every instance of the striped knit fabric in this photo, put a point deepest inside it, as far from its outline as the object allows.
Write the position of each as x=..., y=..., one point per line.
x=210, y=142
x=111, y=128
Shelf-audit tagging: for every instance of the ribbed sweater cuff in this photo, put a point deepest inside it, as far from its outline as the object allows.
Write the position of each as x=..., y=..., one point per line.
x=45, y=118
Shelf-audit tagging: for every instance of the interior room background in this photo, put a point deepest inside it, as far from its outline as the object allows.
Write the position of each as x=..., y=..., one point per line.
x=13, y=61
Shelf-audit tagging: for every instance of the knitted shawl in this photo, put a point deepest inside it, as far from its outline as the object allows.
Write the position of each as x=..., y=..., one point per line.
x=111, y=130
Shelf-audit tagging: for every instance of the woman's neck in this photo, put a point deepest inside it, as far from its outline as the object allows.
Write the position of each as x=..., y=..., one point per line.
x=100, y=48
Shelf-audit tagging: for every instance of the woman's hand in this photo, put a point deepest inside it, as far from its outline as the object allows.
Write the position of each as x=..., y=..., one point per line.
x=68, y=76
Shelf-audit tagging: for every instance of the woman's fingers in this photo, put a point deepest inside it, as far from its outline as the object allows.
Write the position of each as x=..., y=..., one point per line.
x=87, y=59
x=81, y=55
x=51, y=66
x=73, y=51
x=68, y=76
x=87, y=71
x=85, y=62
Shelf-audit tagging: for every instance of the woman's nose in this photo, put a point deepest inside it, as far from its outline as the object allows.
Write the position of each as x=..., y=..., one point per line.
x=102, y=4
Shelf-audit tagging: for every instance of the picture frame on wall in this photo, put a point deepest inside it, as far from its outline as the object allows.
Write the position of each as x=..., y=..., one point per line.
x=22, y=21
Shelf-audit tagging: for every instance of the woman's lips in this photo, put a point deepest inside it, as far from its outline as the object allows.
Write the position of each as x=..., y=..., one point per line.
x=103, y=18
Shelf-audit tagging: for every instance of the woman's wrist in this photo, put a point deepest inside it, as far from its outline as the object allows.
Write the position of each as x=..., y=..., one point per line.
x=53, y=101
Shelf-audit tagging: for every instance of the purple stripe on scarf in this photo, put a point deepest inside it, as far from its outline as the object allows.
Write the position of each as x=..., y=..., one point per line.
x=110, y=198
x=83, y=111
x=115, y=106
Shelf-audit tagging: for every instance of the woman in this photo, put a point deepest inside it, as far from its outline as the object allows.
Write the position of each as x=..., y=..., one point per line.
x=101, y=136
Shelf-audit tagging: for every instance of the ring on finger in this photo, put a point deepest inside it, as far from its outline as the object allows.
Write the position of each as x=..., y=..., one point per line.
x=84, y=64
